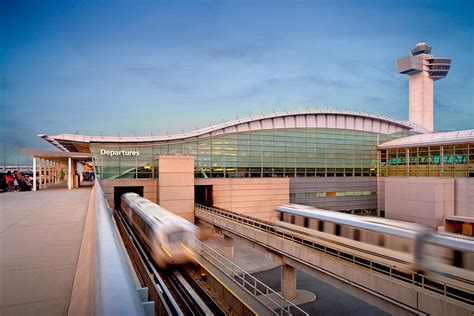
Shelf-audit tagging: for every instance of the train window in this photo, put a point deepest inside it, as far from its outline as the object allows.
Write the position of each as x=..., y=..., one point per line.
x=281, y=216
x=381, y=240
x=321, y=226
x=457, y=258
x=306, y=222
x=356, y=234
x=338, y=230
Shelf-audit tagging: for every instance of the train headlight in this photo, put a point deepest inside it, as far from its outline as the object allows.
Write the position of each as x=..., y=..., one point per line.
x=189, y=250
x=167, y=252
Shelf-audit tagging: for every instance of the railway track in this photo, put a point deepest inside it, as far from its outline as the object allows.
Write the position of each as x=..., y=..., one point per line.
x=179, y=293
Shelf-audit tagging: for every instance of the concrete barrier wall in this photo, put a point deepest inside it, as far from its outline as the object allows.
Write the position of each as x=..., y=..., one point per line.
x=83, y=290
x=256, y=197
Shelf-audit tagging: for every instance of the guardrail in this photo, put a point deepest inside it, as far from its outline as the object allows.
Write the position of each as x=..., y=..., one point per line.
x=115, y=291
x=419, y=280
x=248, y=282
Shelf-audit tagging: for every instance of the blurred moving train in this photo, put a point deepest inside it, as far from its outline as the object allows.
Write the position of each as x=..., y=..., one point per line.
x=410, y=245
x=166, y=236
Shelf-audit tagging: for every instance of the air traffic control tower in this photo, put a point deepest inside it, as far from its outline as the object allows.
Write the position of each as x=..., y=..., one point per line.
x=423, y=69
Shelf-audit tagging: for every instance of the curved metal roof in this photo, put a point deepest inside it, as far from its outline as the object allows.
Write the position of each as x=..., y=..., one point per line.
x=431, y=139
x=338, y=119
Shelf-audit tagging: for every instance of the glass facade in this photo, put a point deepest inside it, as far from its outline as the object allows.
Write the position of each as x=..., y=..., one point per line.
x=310, y=152
x=454, y=160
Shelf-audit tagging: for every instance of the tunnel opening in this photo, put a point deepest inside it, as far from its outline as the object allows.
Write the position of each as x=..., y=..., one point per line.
x=203, y=195
x=118, y=191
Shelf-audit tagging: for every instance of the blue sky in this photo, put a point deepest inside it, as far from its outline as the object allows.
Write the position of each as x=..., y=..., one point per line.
x=136, y=67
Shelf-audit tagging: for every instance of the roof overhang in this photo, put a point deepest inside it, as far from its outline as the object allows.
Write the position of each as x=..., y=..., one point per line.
x=58, y=156
x=431, y=139
x=314, y=118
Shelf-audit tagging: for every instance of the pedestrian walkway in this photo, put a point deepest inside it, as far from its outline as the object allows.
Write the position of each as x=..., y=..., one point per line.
x=40, y=239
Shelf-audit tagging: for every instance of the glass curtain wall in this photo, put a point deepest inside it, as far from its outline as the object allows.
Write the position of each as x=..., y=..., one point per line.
x=271, y=153
x=455, y=160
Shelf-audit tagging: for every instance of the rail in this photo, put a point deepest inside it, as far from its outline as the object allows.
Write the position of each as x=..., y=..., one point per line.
x=248, y=282
x=419, y=280
x=115, y=291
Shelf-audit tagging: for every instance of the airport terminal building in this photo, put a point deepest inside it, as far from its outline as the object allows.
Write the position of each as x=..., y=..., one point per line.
x=332, y=159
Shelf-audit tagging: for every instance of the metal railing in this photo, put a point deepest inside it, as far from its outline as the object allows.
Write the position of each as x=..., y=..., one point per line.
x=249, y=283
x=407, y=276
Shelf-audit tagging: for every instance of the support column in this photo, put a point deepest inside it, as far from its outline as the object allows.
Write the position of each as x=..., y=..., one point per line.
x=50, y=171
x=288, y=282
x=34, y=173
x=228, y=247
x=40, y=173
x=69, y=173
x=44, y=173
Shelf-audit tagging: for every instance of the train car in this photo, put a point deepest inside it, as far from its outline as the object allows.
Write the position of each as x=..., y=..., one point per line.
x=407, y=245
x=166, y=236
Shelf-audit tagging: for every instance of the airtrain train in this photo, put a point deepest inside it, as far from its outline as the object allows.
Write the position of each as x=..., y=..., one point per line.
x=166, y=236
x=410, y=245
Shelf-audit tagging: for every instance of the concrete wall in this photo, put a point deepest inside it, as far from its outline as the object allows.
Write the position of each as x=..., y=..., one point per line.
x=256, y=197
x=150, y=188
x=176, y=185
x=464, y=196
x=424, y=200
x=335, y=184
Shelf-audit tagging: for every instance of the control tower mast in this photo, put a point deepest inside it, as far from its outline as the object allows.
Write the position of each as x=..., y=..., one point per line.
x=422, y=69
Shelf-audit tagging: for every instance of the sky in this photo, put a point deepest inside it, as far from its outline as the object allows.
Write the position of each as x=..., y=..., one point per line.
x=140, y=67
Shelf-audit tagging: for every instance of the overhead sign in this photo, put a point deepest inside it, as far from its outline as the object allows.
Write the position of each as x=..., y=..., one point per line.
x=106, y=152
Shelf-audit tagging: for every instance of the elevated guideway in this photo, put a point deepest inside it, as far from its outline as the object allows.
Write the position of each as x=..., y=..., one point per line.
x=376, y=282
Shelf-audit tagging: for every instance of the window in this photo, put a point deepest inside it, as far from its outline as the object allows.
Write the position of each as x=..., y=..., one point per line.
x=337, y=230
x=321, y=226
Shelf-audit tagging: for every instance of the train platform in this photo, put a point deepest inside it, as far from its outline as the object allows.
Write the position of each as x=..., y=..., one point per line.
x=40, y=240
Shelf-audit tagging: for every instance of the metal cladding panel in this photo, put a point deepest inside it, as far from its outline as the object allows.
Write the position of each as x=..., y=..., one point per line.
x=341, y=121
x=243, y=127
x=359, y=123
x=267, y=124
x=321, y=121
x=367, y=124
x=255, y=126
x=278, y=122
x=331, y=119
x=384, y=128
x=376, y=126
x=350, y=122
x=391, y=128
x=218, y=132
x=300, y=121
x=231, y=129
x=290, y=121
x=311, y=121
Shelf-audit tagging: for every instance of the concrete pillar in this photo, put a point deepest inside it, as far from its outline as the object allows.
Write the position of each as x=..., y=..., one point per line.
x=228, y=247
x=69, y=173
x=40, y=173
x=43, y=165
x=34, y=173
x=288, y=282
x=46, y=169
x=50, y=171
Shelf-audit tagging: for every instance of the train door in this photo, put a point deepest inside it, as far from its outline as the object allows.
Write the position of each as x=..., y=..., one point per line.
x=203, y=195
x=118, y=191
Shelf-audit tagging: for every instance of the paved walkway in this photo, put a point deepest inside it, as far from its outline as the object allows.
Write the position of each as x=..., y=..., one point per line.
x=40, y=237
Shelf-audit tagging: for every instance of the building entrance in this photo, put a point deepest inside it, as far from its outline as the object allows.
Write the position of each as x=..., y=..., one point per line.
x=203, y=194
x=118, y=191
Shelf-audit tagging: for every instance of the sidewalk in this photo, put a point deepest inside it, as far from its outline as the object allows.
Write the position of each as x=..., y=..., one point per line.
x=40, y=238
